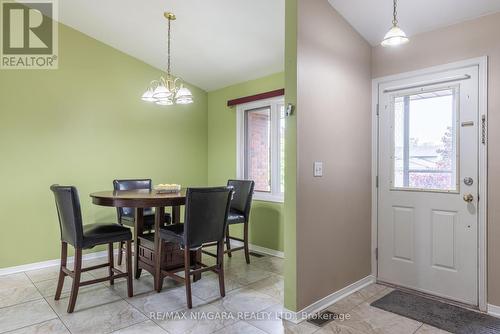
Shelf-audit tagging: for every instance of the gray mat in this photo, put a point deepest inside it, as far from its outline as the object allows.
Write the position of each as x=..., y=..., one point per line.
x=444, y=316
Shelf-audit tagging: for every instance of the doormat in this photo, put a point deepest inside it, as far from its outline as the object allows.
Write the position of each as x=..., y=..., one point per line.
x=444, y=316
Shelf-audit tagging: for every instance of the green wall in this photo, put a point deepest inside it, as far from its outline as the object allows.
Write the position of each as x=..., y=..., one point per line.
x=85, y=125
x=291, y=156
x=267, y=218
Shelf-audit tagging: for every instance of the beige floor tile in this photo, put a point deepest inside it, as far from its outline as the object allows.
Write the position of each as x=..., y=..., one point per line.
x=348, y=303
x=272, y=286
x=269, y=263
x=146, y=327
x=142, y=285
x=246, y=274
x=270, y=322
x=54, y=326
x=103, y=319
x=426, y=329
x=48, y=288
x=26, y=314
x=166, y=301
x=92, y=297
x=14, y=281
x=241, y=327
x=339, y=328
x=18, y=294
x=372, y=290
x=50, y=273
x=245, y=300
x=208, y=287
x=199, y=320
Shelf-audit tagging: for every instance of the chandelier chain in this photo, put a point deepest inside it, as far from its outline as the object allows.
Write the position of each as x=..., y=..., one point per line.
x=395, y=13
x=168, y=49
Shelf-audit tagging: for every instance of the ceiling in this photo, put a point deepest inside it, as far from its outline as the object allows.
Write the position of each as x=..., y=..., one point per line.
x=214, y=43
x=372, y=18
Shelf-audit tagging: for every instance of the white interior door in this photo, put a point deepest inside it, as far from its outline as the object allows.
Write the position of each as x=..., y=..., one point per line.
x=428, y=184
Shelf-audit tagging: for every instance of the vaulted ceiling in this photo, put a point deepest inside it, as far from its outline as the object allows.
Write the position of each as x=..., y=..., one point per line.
x=216, y=43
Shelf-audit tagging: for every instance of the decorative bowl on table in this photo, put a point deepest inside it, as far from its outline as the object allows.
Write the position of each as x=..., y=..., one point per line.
x=167, y=188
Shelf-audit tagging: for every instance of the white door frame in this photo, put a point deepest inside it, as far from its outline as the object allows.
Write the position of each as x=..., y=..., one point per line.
x=482, y=62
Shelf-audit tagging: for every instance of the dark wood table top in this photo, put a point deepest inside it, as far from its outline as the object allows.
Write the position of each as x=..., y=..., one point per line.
x=138, y=198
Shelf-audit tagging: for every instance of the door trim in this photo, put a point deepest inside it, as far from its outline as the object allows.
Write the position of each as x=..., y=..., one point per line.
x=482, y=63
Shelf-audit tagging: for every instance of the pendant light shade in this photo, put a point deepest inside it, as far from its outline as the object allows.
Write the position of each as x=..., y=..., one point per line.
x=395, y=36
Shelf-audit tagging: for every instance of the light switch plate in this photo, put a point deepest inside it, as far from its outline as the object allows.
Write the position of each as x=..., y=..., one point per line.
x=318, y=169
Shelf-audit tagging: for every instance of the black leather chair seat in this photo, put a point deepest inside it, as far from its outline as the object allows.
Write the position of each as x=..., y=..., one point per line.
x=98, y=234
x=235, y=217
x=175, y=233
x=149, y=219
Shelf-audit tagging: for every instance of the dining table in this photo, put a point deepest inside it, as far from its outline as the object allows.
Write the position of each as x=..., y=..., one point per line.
x=146, y=245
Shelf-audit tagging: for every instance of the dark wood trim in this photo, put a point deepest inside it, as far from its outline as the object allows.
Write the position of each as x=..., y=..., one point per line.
x=256, y=97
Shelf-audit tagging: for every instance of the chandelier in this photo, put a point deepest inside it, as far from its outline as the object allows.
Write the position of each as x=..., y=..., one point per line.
x=168, y=90
x=395, y=36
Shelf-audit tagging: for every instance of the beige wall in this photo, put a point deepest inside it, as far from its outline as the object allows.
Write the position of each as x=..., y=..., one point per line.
x=480, y=37
x=333, y=126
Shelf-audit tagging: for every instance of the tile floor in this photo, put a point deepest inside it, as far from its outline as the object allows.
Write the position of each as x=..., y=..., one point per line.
x=27, y=305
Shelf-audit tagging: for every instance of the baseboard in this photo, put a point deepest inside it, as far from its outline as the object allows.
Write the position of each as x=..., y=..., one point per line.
x=494, y=310
x=297, y=317
x=50, y=263
x=96, y=255
x=259, y=249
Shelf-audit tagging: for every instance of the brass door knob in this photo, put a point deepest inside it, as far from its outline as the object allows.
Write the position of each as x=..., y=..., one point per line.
x=468, y=198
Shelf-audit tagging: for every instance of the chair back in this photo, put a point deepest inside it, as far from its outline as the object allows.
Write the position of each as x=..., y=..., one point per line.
x=69, y=213
x=242, y=196
x=131, y=184
x=206, y=213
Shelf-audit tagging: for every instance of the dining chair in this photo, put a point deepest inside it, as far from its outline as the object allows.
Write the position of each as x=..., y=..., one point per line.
x=126, y=216
x=82, y=237
x=239, y=213
x=205, y=223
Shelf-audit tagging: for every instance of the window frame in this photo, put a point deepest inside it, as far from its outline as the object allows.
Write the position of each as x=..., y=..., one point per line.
x=274, y=103
x=455, y=124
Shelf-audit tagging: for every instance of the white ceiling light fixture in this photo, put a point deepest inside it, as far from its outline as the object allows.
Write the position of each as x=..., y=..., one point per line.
x=168, y=90
x=395, y=36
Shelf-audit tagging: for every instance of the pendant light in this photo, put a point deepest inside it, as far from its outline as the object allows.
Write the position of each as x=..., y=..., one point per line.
x=168, y=90
x=395, y=36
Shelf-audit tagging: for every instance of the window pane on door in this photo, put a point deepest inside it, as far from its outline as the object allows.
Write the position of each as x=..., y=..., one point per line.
x=258, y=148
x=425, y=141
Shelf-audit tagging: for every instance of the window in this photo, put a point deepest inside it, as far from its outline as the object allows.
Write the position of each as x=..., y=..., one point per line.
x=260, y=156
x=425, y=141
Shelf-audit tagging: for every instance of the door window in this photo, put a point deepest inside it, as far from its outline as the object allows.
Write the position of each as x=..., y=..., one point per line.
x=425, y=141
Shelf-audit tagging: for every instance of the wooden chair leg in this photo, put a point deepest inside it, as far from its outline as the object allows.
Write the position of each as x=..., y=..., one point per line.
x=228, y=242
x=187, y=276
x=130, y=287
x=120, y=253
x=245, y=243
x=111, y=262
x=220, y=267
x=158, y=278
x=62, y=275
x=76, y=280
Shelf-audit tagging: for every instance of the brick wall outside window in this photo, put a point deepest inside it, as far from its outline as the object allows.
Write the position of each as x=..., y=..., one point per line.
x=259, y=148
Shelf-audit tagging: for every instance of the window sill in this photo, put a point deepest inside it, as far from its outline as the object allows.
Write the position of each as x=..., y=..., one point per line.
x=263, y=197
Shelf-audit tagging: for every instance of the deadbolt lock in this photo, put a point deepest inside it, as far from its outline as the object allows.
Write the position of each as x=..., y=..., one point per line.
x=468, y=198
x=468, y=181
